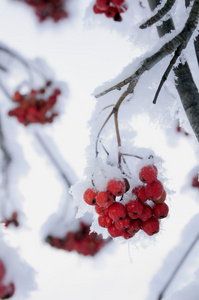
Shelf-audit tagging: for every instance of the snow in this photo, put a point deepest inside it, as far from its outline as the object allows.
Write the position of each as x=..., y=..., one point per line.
x=86, y=54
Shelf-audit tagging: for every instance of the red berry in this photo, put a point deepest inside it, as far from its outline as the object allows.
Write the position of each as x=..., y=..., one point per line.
x=100, y=210
x=127, y=235
x=117, y=211
x=3, y=290
x=123, y=224
x=114, y=232
x=105, y=221
x=134, y=226
x=154, y=190
x=57, y=92
x=111, y=12
x=146, y=213
x=90, y=196
x=148, y=173
x=134, y=209
x=17, y=97
x=103, y=4
x=161, y=199
x=140, y=193
x=97, y=10
x=116, y=187
x=161, y=210
x=117, y=2
x=151, y=226
x=195, y=181
x=105, y=199
x=2, y=270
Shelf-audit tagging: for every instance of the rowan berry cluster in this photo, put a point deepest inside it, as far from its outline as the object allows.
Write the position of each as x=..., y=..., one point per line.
x=111, y=8
x=33, y=107
x=48, y=9
x=81, y=241
x=13, y=220
x=125, y=218
x=6, y=291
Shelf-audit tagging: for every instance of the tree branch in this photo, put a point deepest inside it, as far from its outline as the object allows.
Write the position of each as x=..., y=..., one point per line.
x=159, y=15
x=181, y=39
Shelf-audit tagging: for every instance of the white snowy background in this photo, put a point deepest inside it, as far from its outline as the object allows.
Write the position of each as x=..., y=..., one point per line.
x=84, y=51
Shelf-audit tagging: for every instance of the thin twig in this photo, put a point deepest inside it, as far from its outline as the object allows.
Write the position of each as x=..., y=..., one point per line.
x=159, y=15
x=166, y=73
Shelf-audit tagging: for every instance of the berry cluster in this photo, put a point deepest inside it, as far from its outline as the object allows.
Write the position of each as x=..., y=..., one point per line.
x=6, y=291
x=111, y=8
x=33, y=107
x=81, y=241
x=142, y=211
x=13, y=220
x=48, y=9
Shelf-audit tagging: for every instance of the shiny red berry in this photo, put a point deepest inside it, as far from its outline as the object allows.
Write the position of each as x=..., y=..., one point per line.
x=90, y=196
x=105, y=221
x=105, y=199
x=148, y=173
x=126, y=235
x=117, y=211
x=103, y=4
x=140, y=193
x=161, y=199
x=146, y=213
x=154, y=190
x=116, y=187
x=151, y=226
x=100, y=210
x=161, y=210
x=111, y=12
x=123, y=224
x=117, y=2
x=134, y=209
x=135, y=226
x=114, y=232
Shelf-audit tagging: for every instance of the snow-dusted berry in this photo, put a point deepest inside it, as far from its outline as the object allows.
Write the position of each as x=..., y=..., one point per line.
x=100, y=210
x=134, y=226
x=105, y=199
x=154, y=190
x=117, y=211
x=148, y=173
x=116, y=187
x=146, y=213
x=151, y=226
x=90, y=196
x=114, y=232
x=117, y=3
x=140, y=193
x=123, y=224
x=161, y=210
x=134, y=209
x=105, y=221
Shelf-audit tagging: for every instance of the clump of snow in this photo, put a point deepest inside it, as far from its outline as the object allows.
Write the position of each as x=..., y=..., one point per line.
x=17, y=270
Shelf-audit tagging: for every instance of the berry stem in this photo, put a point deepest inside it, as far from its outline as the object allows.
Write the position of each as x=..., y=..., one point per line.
x=114, y=111
x=54, y=161
x=161, y=295
x=132, y=155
